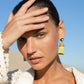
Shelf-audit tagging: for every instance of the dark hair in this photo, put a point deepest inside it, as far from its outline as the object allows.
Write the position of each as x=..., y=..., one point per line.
x=52, y=11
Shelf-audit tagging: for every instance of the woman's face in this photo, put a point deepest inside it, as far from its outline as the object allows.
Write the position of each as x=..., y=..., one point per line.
x=40, y=47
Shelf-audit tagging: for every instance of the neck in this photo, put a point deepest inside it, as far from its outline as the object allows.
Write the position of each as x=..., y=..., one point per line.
x=53, y=70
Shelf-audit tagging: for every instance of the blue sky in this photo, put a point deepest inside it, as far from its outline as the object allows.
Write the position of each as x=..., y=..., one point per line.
x=72, y=12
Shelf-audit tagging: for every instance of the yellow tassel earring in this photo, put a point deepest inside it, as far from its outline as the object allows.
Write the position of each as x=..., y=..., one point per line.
x=61, y=47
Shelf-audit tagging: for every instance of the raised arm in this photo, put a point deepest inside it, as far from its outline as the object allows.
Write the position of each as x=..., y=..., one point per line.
x=16, y=26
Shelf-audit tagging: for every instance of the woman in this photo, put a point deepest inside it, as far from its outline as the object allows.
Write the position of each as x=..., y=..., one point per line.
x=36, y=27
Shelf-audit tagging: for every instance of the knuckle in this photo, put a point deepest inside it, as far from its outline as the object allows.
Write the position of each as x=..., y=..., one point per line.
x=17, y=21
x=41, y=10
x=24, y=6
x=35, y=26
x=19, y=27
x=31, y=27
x=38, y=18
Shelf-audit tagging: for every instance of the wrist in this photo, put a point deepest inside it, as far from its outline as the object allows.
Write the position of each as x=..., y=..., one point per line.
x=3, y=43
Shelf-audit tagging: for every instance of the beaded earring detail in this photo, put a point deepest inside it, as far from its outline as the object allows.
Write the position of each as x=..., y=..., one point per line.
x=61, y=47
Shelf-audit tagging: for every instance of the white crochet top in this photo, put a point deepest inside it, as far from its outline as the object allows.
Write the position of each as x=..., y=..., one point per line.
x=19, y=77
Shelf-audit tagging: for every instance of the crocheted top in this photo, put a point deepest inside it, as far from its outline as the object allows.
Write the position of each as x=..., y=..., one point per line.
x=3, y=62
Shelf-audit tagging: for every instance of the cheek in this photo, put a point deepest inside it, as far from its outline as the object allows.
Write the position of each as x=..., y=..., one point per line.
x=49, y=46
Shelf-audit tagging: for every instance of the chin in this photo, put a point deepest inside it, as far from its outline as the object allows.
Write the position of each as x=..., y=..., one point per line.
x=37, y=67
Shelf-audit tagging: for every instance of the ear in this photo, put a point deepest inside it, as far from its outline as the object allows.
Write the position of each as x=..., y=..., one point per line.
x=61, y=30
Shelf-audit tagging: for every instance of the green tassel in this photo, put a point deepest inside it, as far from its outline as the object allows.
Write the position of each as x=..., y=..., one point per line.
x=24, y=59
x=61, y=50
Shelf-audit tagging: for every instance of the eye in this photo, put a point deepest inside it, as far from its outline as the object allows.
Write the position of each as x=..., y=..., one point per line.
x=40, y=35
x=22, y=39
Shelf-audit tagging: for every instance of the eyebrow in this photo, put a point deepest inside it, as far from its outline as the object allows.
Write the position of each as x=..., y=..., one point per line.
x=36, y=31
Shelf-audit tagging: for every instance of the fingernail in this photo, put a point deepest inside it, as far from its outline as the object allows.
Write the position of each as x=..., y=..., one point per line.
x=47, y=17
x=42, y=25
x=45, y=9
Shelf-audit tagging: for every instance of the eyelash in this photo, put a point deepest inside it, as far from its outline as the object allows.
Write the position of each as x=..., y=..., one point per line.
x=40, y=35
x=37, y=35
x=22, y=38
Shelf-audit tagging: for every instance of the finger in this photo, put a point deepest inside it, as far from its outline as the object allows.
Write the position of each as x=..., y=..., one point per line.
x=33, y=20
x=33, y=27
x=35, y=13
x=25, y=6
x=10, y=17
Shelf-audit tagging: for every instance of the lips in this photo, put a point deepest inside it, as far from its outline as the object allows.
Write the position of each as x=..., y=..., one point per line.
x=35, y=59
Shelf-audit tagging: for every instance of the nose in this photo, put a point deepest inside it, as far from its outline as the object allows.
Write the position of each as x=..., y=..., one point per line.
x=30, y=46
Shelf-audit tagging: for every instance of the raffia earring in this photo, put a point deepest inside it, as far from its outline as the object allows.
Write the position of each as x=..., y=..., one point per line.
x=61, y=47
x=24, y=59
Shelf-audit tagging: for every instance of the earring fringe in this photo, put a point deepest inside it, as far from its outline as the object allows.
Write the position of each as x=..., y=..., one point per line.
x=61, y=50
